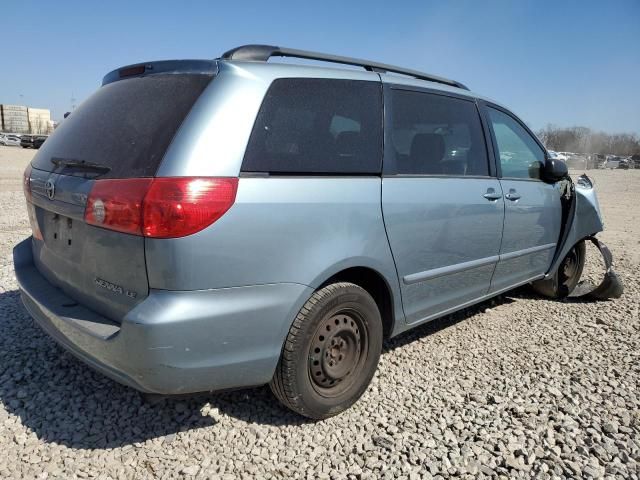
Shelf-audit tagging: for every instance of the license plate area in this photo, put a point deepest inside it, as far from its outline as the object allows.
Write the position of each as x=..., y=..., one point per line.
x=58, y=231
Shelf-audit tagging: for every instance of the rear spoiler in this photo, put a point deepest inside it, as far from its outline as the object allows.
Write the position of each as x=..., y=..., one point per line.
x=202, y=67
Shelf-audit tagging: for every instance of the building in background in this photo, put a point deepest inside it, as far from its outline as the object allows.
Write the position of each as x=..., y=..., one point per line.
x=39, y=119
x=21, y=119
x=15, y=119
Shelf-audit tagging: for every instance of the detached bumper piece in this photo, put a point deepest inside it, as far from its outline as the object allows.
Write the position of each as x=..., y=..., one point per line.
x=609, y=287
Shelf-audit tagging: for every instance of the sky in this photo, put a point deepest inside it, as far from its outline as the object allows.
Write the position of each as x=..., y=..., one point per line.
x=560, y=62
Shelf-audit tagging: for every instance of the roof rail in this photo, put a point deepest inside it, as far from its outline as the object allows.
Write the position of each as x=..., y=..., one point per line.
x=262, y=53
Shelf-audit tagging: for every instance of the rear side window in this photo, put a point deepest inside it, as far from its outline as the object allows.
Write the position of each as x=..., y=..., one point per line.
x=436, y=135
x=126, y=125
x=317, y=126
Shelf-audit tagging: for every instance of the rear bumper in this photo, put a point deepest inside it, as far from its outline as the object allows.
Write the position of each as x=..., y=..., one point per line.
x=173, y=341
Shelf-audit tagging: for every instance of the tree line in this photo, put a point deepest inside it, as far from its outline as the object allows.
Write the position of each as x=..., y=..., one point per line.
x=585, y=140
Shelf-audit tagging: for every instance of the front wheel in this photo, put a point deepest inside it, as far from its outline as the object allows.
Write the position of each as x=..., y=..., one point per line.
x=567, y=277
x=331, y=352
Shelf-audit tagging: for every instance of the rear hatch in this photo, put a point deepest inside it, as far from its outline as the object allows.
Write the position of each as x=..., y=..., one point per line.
x=121, y=132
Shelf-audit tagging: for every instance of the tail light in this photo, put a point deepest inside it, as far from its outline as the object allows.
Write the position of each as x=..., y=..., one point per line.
x=117, y=204
x=160, y=207
x=31, y=209
x=26, y=183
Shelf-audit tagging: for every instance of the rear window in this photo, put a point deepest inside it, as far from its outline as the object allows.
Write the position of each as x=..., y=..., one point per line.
x=320, y=126
x=126, y=125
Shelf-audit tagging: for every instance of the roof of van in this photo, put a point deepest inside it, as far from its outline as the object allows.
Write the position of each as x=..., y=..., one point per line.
x=260, y=54
x=253, y=59
x=272, y=70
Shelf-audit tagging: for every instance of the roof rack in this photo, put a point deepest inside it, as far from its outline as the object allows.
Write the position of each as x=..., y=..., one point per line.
x=262, y=53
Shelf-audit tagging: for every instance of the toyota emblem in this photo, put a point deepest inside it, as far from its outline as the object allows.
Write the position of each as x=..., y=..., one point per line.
x=50, y=189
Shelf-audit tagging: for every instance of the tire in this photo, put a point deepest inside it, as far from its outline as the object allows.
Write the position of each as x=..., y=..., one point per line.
x=331, y=352
x=567, y=277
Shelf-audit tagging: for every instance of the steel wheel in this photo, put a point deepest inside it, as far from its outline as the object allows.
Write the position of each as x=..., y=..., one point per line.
x=567, y=276
x=571, y=268
x=337, y=352
x=331, y=352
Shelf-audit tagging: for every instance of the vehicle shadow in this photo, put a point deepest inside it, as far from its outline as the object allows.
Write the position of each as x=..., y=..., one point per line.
x=62, y=400
x=527, y=293
x=447, y=321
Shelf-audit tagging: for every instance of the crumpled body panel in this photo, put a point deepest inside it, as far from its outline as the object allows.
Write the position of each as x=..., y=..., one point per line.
x=583, y=222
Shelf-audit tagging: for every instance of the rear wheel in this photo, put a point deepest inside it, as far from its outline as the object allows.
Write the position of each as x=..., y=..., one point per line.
x=567, y=277
x=331, y=352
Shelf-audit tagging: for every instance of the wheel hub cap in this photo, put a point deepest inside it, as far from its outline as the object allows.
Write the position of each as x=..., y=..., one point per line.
x=335, y=350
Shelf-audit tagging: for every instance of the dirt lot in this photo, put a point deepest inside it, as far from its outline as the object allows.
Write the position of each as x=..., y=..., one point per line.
x=517, y=387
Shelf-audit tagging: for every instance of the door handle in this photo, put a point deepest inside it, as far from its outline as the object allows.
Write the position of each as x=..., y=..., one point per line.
x=492, y=194
x=512, y=195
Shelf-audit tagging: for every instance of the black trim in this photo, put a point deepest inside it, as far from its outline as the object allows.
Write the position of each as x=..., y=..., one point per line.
x=202, y=67
x=388, y=155
x=494, y=165
x=306, y=175
x=444, y=177
x=262, y=53
x=435, y=91
x=521, y=179
x=484, y=114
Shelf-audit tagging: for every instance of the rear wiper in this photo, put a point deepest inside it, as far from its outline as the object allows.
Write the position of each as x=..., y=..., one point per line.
x=80, y=164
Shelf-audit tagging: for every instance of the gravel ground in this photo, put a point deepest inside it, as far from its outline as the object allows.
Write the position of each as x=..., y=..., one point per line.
x=516, y=387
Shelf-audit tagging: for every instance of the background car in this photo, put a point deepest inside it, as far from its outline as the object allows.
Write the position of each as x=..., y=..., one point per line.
x=39, y=140
x=9, y=140
x=32, y=141
x=558, y=155
x=612, y=162
x=26, y=141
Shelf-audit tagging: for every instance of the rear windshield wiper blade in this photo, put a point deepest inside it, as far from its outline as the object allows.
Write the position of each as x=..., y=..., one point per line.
x=80, y=164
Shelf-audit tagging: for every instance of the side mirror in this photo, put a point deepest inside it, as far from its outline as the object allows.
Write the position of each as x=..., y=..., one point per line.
x=554, y=170
x=67, y=114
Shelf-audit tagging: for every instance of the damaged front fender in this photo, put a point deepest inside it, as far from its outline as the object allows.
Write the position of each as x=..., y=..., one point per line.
x=582, y=220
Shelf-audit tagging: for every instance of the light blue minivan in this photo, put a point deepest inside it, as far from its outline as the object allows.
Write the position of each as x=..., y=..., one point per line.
x=202, y=225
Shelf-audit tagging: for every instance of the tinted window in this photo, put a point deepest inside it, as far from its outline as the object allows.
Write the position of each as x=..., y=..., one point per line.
x=520, y=155
x=436, y=135
x=126, y=125
x=317, y=126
